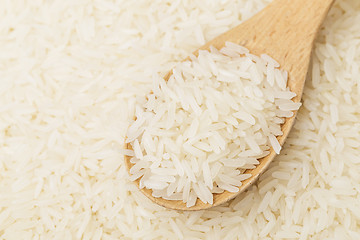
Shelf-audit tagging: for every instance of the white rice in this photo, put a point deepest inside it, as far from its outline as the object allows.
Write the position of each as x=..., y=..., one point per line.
x=70, y=72
x=203, y=97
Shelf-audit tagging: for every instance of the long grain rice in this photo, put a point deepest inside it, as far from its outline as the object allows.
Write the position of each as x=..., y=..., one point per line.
x=71, y=73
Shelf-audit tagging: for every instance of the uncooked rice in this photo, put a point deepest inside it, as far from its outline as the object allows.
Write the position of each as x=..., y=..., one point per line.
x=71, y=73
x=216, y=111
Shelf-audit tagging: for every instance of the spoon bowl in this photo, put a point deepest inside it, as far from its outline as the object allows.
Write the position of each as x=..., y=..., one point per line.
x=284, y=30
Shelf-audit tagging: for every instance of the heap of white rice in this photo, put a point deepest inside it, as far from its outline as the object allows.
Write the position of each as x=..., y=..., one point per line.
x=70, y=74
x=218, y=113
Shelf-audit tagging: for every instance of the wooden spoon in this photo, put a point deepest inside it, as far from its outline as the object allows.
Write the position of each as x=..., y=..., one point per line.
x=285, y=30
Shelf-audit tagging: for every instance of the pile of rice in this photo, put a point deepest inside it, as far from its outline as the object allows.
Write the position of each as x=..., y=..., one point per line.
x=71, y=73
x=215, y=117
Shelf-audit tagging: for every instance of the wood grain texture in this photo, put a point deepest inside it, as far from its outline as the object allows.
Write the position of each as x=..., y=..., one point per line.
x=285, y=30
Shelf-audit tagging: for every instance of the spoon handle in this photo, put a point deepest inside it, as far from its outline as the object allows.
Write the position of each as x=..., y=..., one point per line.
x=286, y=30
x=291, y=19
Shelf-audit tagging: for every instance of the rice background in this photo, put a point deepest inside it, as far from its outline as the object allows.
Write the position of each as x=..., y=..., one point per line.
x=70, y=73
